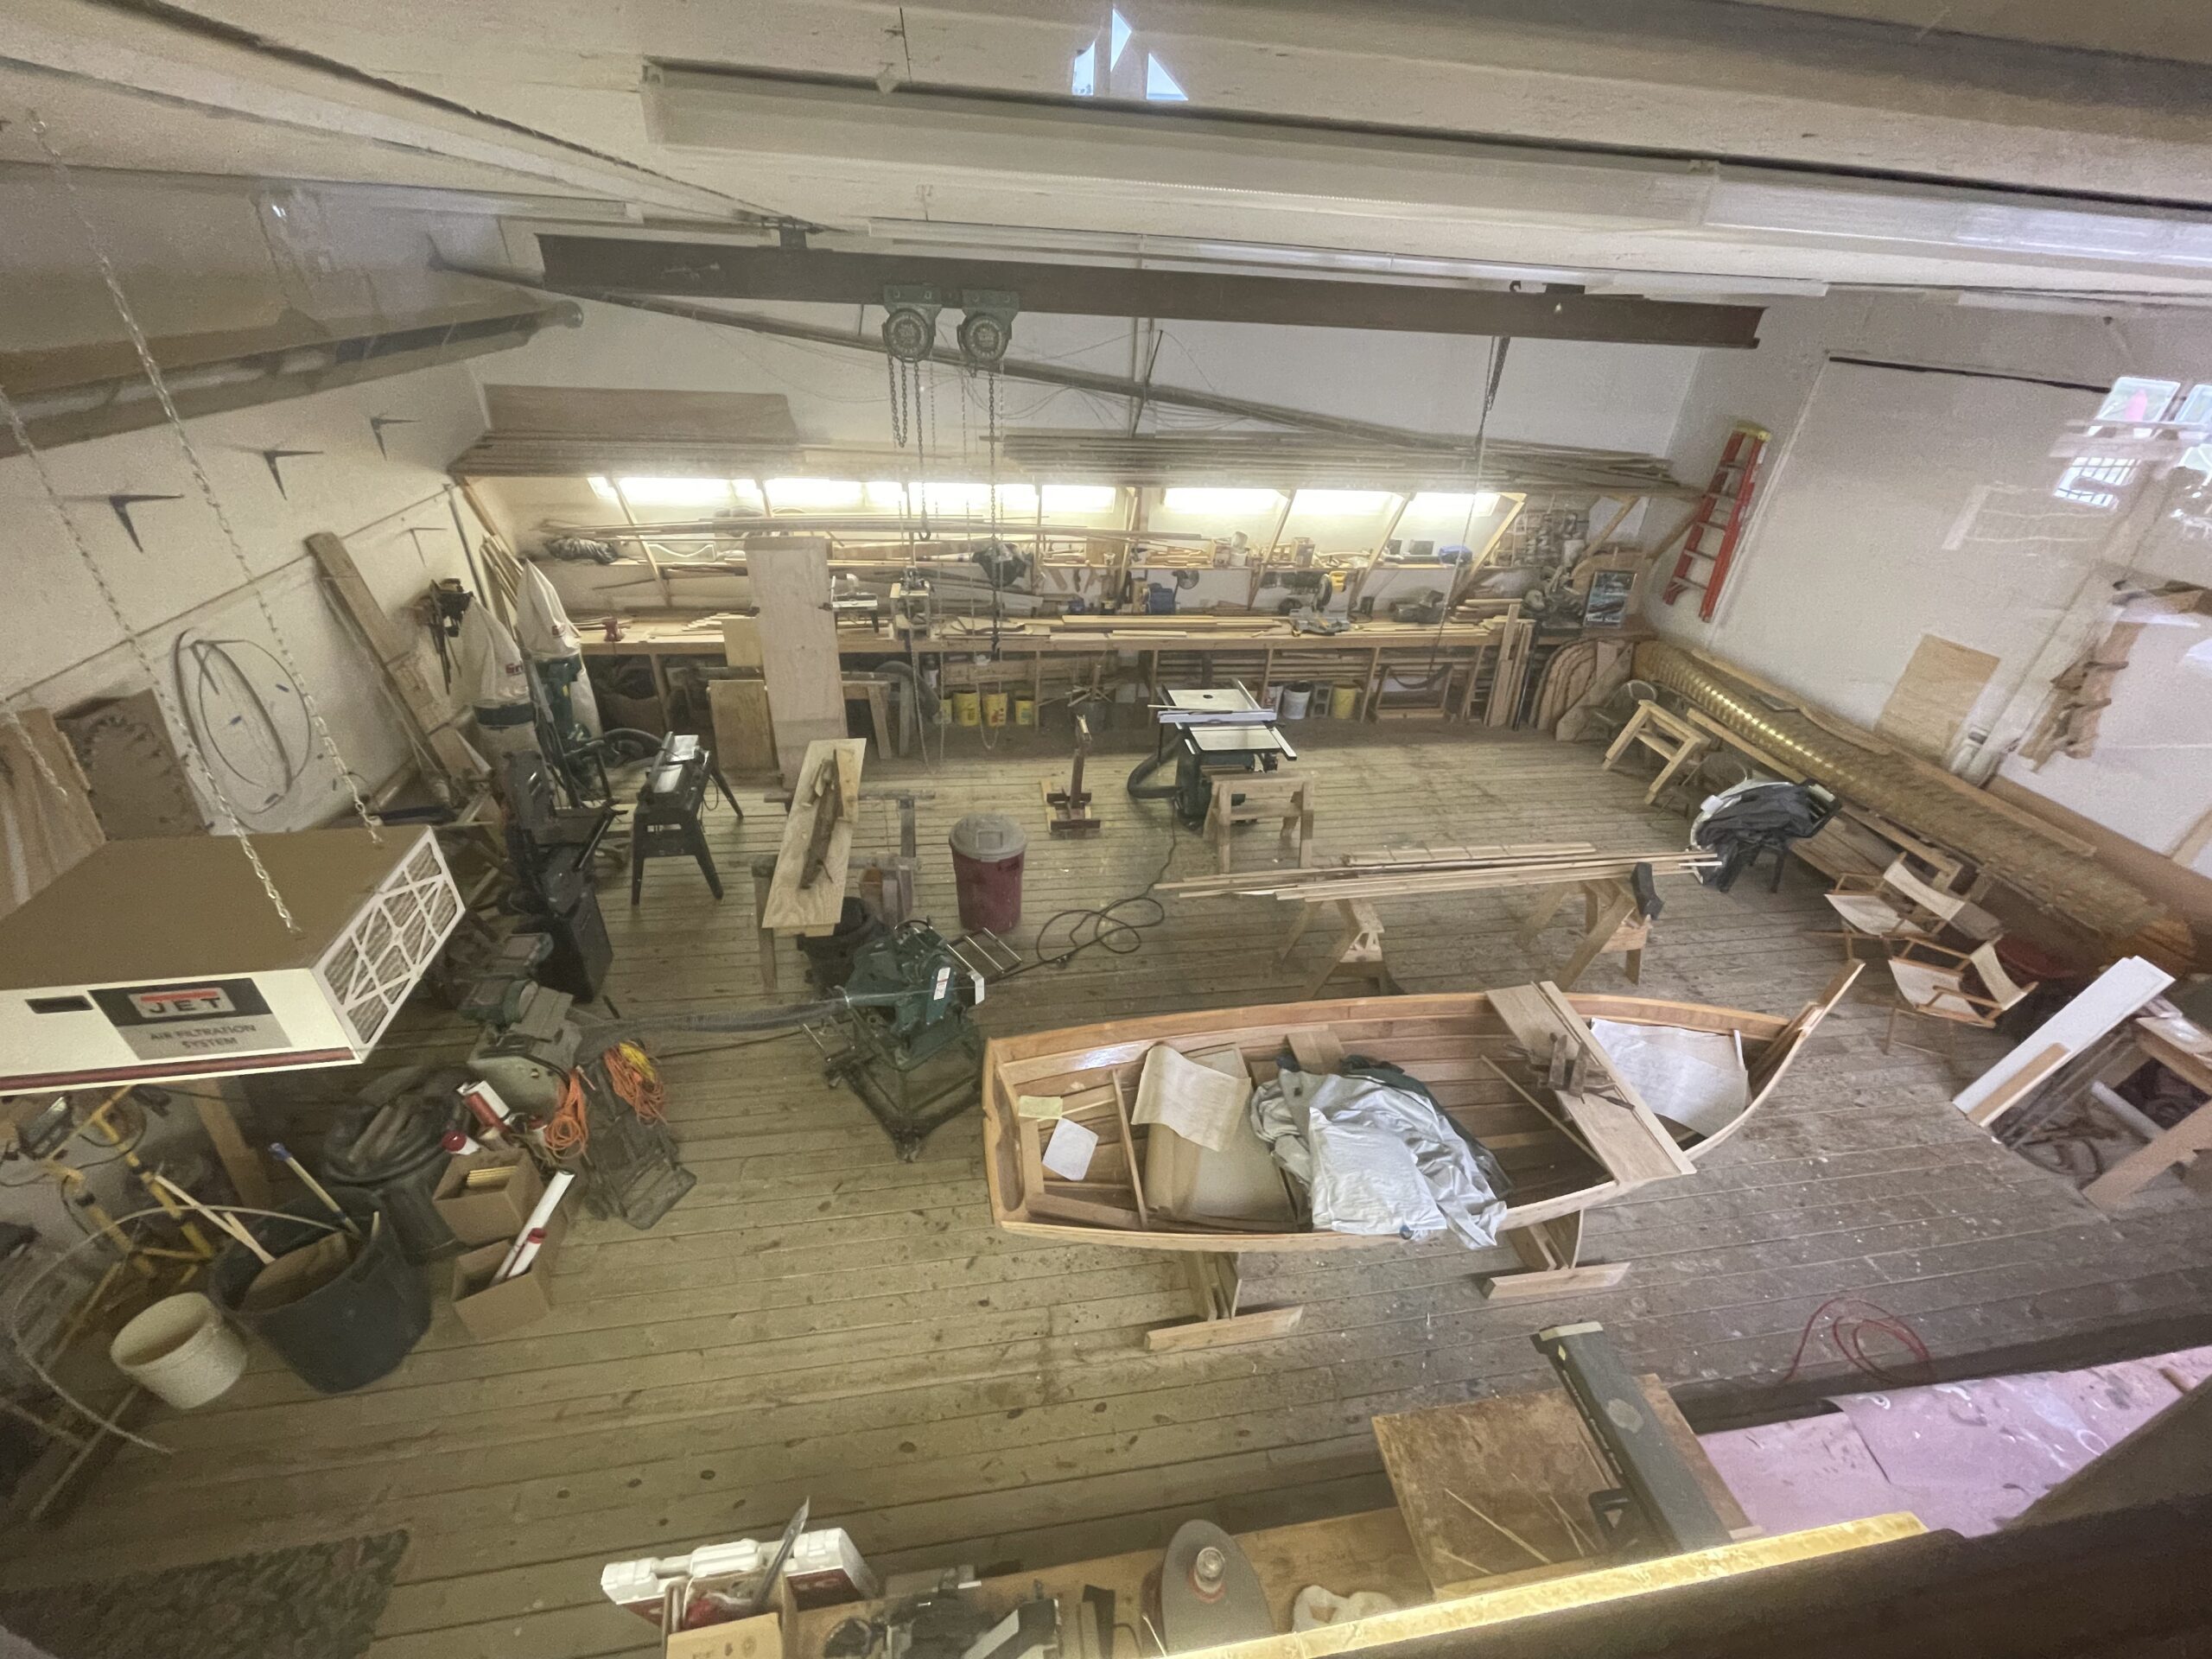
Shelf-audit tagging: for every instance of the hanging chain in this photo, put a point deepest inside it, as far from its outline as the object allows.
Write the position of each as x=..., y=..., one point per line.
x=925, y=385
x=38, y=755
x=900, y=421
x=991, y=440
x=200, y=475
x=188, y=749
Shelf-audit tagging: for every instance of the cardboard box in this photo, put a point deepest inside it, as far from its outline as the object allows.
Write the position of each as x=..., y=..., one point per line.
x=486, y=1310
x=495, y=1214
x=760, y=1638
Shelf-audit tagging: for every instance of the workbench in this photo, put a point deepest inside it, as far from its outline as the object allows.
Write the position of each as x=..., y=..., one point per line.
x=1203, y=650
x=1523, y=1459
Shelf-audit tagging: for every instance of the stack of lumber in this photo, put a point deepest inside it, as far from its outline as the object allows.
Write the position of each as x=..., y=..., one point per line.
x=1391, y=875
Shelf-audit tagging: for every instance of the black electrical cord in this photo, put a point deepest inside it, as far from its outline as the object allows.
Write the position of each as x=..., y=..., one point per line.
x=1104, y=926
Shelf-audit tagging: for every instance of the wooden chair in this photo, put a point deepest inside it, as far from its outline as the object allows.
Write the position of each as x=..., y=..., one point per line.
x=1289, y=795
x=1897, y=908
x=1952, y=988
x=1679, y=744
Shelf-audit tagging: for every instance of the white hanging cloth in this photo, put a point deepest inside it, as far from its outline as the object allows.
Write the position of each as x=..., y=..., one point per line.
x=543, y=628
x=542, y=624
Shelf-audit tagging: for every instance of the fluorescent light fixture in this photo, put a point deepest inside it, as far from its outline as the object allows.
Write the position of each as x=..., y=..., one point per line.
x=1080, y=497
x=812, y=494
x=675, y=492
x=955, y=497
x=1442, y=501
x=1203, y=500
x=603, y=488
x=1342, y=503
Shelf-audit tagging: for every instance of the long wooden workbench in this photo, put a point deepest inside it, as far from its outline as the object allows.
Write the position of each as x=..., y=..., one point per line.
x=1447, y=659
x=1519, y=1462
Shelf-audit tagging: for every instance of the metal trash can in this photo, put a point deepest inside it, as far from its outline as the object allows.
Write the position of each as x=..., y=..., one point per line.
x=988, y=852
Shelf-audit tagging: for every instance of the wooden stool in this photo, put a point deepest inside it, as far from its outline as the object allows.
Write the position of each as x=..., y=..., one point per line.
x=1289, y=795
x=1358, y=953
x=1610, y=923
x=1679, y=744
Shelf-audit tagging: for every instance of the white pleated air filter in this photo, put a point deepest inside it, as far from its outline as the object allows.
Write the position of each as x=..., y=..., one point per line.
x=164, y=958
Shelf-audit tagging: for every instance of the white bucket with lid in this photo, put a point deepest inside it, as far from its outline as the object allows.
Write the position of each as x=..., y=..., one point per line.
x=182, y=1348
x=1295, y=696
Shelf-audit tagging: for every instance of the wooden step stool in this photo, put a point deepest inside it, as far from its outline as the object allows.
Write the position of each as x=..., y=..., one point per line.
x=1679, y=744
x=1287, y=795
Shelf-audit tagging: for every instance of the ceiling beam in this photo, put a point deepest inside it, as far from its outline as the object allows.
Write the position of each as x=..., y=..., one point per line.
x=733, y=271
x=1570, y=468
x=71, y=393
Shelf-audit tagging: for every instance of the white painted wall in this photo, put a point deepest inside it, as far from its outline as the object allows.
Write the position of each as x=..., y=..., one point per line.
x=66, y=646
x=1896, y=504
x=193, y=258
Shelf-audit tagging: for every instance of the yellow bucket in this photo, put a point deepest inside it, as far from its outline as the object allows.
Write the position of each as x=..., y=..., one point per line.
x=993, y=707
x=966, y=708
x=1344, y=701
x=1024, y=709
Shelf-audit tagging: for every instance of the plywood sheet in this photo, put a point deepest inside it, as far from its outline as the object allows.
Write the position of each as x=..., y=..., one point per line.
x=798, y=645
x=1934, y=695
x=745, y=742
x=813, y=908
x=1522, y=1459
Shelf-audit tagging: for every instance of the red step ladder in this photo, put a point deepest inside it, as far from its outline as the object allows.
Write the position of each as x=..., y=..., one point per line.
x=1708, y=538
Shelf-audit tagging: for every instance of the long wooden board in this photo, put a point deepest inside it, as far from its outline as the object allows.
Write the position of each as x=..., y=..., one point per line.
x=434, y=713
x=798, y=646
x=1630, y=1142
x=813, y=909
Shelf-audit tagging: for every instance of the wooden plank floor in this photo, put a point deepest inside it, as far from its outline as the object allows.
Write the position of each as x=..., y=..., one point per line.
x=818, y=1319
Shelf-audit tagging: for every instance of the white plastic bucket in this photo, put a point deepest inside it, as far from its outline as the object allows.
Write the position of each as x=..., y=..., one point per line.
x=1294, y=699
x=181, y=1348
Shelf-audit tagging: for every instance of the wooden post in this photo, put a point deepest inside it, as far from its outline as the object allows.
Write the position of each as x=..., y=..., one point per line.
x=249, y=1175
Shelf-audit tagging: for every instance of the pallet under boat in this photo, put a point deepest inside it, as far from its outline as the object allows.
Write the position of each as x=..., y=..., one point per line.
x=1459, y=1045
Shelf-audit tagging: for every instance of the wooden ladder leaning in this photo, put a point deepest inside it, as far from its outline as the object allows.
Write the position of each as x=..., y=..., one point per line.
x=1709, y=540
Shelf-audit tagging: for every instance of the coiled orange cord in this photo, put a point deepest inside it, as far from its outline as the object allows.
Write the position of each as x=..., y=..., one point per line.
x=570, y=1128
x=634, y=1076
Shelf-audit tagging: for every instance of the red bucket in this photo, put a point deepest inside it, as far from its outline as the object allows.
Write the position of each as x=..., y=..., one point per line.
x=988, y=852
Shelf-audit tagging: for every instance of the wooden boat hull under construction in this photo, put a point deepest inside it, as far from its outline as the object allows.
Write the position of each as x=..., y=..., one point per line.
x=1459, y=1045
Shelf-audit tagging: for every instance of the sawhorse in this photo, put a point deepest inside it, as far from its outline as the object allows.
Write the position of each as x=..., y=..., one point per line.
x=1612, y=921
x=893, y=875
x=1358, y=956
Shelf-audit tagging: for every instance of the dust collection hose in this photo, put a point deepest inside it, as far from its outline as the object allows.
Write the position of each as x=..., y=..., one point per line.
x=603, y=1034
x=1920, y=796
x=1138, y=790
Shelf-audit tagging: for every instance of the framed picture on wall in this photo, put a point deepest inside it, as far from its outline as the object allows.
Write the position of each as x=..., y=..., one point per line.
x=1607, y=606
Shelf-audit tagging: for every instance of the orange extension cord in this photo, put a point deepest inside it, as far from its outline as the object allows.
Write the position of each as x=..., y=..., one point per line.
x=637, y=1079
x=569, y=1130
x=632, y=1074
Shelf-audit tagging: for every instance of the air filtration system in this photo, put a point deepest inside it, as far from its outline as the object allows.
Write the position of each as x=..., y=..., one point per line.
x=164, y=958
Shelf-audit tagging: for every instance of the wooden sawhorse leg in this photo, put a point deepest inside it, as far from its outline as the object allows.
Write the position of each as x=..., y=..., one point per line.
x=1219, y=1288
x=1548, y=1251
x=764, y=874
x=1358, y=954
